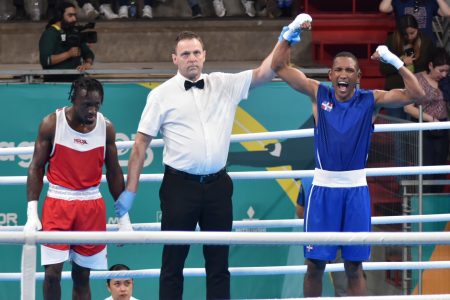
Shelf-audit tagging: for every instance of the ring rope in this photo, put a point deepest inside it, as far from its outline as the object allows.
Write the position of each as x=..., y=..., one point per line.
x=412, y=297
x=229, y=238
x=171, y=237
x=391, y=171
x=286, y=223
x=247, y=271
x=285, y=134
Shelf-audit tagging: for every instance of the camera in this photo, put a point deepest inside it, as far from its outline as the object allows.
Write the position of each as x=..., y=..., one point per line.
x=78, y=35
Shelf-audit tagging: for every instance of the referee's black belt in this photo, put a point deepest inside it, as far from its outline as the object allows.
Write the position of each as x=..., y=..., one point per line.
x=198, y=178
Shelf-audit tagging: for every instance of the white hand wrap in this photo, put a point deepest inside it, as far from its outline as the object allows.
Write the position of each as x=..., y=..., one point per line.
x=388, y=57
x=296, y=25
x=299, y=20
x=124, y=223
x=33, y=222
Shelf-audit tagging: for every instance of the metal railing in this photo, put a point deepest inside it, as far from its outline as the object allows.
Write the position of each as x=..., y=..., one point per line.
x=441, y=27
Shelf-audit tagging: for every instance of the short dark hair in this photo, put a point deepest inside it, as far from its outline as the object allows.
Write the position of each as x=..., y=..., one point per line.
x=187, y=35
x=117, y=267
x=85, y=83
x=440, y=57
x=347, y=54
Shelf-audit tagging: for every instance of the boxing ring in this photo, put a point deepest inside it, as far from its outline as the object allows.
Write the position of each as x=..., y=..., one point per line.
x=149, y=233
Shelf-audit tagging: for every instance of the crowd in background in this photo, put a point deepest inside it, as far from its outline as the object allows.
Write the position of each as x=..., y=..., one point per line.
x=413, y=40
x=35, y=10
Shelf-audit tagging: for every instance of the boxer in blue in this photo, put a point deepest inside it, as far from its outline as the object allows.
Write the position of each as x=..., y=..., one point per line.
x=344, y=115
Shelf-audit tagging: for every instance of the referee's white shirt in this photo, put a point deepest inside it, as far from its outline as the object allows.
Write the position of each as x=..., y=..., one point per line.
x=195, y=124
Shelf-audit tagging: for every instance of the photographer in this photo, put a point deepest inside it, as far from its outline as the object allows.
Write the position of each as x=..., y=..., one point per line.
x=62, y=45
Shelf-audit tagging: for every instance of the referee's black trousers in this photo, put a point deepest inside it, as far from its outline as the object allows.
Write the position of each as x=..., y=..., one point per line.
x=184, y=202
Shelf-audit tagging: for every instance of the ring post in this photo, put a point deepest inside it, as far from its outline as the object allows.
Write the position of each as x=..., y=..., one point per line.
x=28, y=280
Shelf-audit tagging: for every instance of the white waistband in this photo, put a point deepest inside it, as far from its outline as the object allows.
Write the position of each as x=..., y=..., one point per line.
x=340, y=178
x=59, y=192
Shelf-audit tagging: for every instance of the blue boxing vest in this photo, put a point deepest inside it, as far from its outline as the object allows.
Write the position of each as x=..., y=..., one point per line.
x=344, y=129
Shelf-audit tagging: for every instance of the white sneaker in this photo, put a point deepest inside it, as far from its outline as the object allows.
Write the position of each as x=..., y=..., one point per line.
x=123, y=12
x=106, y=11
x=90, y=11
x=147, y=12
x=219, y=8
x=249, y=7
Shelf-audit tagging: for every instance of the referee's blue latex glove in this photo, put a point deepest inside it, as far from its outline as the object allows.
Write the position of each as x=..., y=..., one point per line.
x=293, y=37
x=124, y=203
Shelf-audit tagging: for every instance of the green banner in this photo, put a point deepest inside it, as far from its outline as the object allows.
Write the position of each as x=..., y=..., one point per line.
x=432, y=204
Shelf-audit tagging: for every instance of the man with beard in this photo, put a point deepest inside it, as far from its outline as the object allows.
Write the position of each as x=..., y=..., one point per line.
x=56, y=52
x=74, y=142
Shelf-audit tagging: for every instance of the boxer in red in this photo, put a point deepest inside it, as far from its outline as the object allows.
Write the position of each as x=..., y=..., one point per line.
x=73, y=143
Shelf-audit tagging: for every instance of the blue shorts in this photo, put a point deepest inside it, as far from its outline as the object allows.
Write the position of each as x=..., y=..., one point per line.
x=342, y=209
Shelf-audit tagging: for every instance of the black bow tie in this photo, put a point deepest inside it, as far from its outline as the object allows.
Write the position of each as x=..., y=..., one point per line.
x=200, y=84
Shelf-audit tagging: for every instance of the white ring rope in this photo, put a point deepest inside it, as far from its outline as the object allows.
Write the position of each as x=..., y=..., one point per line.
x=412, y=297
x=286, y=134
x=229, y=238
x=287, y=223
x=255, y=238
x=248, y=271
x=392, y=171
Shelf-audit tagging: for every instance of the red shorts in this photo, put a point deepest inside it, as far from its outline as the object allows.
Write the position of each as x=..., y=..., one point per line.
x=75, y=215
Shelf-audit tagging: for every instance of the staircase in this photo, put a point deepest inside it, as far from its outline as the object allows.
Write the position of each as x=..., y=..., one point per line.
x=349, y=25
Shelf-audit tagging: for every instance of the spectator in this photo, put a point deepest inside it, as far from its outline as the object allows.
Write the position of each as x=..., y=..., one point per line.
x=280, y=8
x=413, y=48
x=120, y=288
x=69, y=140
x=423, y=10
x=249, y=7
x=435, y=142
x=196, y=9
x=89, y=11
x=147, y=11
x=56, y=51
x=51, y=9
x=20, y=13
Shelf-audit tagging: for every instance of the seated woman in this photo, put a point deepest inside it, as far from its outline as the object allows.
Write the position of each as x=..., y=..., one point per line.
x=434, y=82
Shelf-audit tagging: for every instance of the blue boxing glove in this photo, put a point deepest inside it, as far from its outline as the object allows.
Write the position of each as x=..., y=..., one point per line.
x=124, y=203
x=280, y=38
x=292, y=34
x=292, y=38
